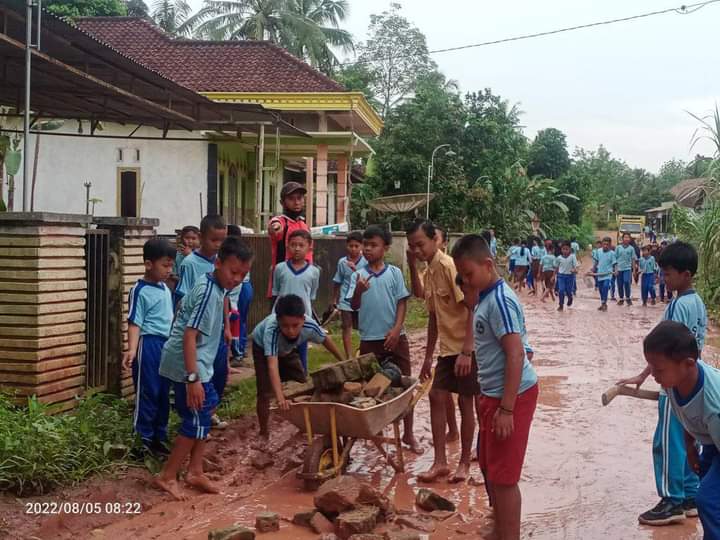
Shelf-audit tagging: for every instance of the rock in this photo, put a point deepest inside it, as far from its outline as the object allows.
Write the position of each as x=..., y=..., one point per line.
x=417, y=522
x=328, y=378
x=291, y=389
x=377, y=385
x=441, y=515
x=369, y=496
x=337, y=495
x=405, y=535
x=261, y=461
x=235, y=532
x=361, y=520
x=369, y=365
x=355, y=388
x=351, y=370
x=391, y=393
x=267, y=522
x=303, y=518
x=366, y=537
x=320, y=524
x=363, y=402
x=429, y=500
x=302, y=399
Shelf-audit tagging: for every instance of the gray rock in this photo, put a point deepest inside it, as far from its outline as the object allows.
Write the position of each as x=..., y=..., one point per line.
x=337, y=495
x=234, y=532
x=267, y=522
x=362, y=520
x=429, y=500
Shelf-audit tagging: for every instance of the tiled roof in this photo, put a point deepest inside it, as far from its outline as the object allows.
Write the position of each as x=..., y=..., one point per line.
x=209, y=66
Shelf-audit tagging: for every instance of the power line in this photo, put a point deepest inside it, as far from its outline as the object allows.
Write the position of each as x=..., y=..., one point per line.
x=685, y=9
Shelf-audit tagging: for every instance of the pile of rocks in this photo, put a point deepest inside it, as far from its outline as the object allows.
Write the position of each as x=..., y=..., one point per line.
x=359, y=382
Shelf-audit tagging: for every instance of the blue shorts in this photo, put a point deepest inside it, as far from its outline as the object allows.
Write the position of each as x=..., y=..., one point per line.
x=195, y=424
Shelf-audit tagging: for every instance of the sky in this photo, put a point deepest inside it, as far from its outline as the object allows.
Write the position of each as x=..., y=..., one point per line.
x=626, y=86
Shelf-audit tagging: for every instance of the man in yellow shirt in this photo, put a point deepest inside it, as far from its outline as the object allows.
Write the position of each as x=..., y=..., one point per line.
x=456, y=370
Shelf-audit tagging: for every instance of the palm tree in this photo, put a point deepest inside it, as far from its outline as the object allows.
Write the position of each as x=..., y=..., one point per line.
x=307, y=28
x=171, y=15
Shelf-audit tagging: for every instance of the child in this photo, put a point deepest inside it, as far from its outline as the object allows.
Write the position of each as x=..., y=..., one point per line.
x=508, y=382
x=275, y=345
x=536, y=254
x=189, y=241
x=566, y=266
x=188, y=359
x=676, y=483
x=346, y=266
x=648, y=270
x=512, y=258
x=693, y=390
x=547, y=266
x=626, y=262
x=292, y=199
x=661, y=275
x=605, y=269
x=522, y=265
x=298, y=276
x=379, y=293
x=150, y=316
x=598, y=248
x=239, y=299
x=574, y=246
x=454, y=373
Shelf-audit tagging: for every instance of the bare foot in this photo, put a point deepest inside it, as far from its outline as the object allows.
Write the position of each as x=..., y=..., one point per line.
x=171, y=487
x=452, y=436
x=201, y=482
x=476, y=481
x=461, y=473
x=261, y=444
x=433, y=473
x=413, y=445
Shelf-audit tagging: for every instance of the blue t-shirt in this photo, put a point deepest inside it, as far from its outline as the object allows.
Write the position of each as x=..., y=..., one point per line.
x=605, y=264
x=522, y=257
x=647, y=265
x=343, y=275
x=179, y=257
x=493, y=246
x=699, y=413
x=548, y=262
x=625, y=257
x=150, y=306
x=303, y=283
x=498, y=313
x=689, y=309
x=566, y=265
x=575, y=247
x=268, y=336
x=514, y=250
x=234, y=294
x=192, y=267
x=203, y=310
x=378, y=307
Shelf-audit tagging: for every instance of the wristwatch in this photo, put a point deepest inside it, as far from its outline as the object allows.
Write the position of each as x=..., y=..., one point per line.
x=191, y=378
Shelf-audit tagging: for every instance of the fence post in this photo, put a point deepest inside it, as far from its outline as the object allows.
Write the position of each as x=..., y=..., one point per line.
x=42, y=306
x=127, y=236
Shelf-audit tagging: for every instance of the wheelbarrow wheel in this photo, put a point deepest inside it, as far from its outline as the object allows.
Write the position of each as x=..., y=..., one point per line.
x=318, y=460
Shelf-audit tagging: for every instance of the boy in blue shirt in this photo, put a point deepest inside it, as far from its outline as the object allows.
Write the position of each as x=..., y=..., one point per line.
x=676, y=483
x=598, y=247
x=239, y=299
x=547, y=267
x=566, y=265
x=188, y=360
x=605, y=270
x=275, y=342
x=626, y=262
x=508, y=382
x=189, y=242
x=379, y=294
x=648, y=271
x=693, y=390
x=150, y=316
x=346, y=266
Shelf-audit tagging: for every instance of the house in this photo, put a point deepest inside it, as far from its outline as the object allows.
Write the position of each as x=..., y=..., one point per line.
x=660, y=218
x=691, y=192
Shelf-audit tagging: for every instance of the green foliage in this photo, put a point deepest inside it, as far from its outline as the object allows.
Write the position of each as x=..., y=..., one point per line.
x=171, y=15
x=548, y=155
x=358, y=78
x=137, y=8
x=86, y=8
x=584, y=233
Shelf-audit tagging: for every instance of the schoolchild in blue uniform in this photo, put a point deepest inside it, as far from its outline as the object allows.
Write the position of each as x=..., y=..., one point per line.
x=547, y=268
x=661, y=276
x=676, y=482
x=522, y=265
x=566, y=266
x=346, y=266
x=188, y=360
x=240, y=299
x=537, y=251
x=605, y=269
x=189, y=242
x=693, y=390
x=648, y=273
x=150, y=316
x=598, y=247
x=626, y=262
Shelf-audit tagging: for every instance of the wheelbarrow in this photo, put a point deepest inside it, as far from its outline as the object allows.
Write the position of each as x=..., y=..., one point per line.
x=333, y=428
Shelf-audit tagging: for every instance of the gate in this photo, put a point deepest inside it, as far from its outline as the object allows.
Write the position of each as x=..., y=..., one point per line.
x=97, y=266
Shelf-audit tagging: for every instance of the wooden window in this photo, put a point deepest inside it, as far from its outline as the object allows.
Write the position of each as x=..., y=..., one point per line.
x=128, y=192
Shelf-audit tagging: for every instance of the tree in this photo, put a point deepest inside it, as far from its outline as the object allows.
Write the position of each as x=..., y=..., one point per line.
x=548, y=155
x=358, y=78
x=171, y=15
x=86, y=8
x=137, y=8
x=672, y=172
x=397, y=54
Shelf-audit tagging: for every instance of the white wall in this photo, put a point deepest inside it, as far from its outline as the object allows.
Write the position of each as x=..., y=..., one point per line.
x=173, y=174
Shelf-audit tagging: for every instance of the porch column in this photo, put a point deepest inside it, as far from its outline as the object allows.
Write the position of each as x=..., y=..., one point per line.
x=341, y=192
x=309, y=186
x=321, y=185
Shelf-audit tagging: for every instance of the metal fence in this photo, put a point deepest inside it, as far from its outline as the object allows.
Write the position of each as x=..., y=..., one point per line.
x=97, y=266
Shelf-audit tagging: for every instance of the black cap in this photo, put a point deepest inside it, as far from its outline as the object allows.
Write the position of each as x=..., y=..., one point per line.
x=290, y=188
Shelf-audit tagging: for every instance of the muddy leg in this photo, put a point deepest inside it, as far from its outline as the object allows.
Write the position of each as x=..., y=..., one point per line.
x=452, y=434
x=347, y=333
x=507, y=502
x=167, y=479
x=195, y=475
x=408, y=435
x=467, y=429
x=438, y=417
x=262, y=407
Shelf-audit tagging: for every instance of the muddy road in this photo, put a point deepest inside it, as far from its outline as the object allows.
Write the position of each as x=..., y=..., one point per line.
x=588, y=473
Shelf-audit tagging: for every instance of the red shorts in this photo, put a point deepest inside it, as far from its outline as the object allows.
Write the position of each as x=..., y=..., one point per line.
x=501, y=461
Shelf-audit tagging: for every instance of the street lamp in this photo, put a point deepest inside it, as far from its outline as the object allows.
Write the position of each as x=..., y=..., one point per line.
x=448, y=153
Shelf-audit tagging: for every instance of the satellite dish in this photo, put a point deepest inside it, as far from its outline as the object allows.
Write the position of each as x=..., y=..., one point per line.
x=399, y=204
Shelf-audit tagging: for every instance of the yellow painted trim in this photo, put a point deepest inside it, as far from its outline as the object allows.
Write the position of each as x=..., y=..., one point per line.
x=307, y=101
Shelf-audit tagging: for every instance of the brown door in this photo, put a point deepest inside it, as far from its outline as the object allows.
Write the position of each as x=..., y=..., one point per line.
x=129, y=193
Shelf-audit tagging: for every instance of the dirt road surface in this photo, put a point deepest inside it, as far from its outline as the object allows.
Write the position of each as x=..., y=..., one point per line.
x=588, y=473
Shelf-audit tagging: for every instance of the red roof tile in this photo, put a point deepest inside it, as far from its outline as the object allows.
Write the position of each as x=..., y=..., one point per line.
x=209, y=66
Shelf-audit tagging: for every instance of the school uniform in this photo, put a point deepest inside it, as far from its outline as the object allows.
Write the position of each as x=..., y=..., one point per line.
x=203, y=310
x=279, y=242
x=648, y=270
x=625, y=256
x=497, y=314
x=699, y=414
x=594, y=256
x=303, y=283
x=493, y=247
x=376, y=316
x=536, y=253
x=240, y=299
x=575, y=247
x=268, y=340
x=342, y=277
x=150, y=307
x=547, y=266
x=605, y=265
x=674, y=478
x=566, y=283
x=662, y=286
x=513, y=253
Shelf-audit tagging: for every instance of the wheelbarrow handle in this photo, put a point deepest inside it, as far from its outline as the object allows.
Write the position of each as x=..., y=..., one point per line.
x=420, y=391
